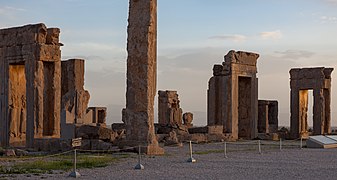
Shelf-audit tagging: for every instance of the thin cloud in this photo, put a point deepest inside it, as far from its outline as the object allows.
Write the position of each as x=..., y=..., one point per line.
x=271, y=34
x=7, y=10
x=234, y=37
x=331, y=1
x=328, y=19
x=295, y=54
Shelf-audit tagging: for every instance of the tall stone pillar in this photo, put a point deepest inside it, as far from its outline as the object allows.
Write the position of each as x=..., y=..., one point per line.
x=142, y=75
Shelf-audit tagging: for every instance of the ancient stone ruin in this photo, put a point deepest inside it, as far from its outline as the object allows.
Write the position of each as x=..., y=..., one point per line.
x=42, y=98
x=187, y=119
x=233, y=95
x=75, y=100
x=30, y=95
x=170, y=127
x=316, y=79
x=141, y=76
x=169, y=111
x=268, y=116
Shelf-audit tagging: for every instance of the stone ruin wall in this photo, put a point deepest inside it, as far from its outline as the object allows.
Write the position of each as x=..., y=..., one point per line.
x=30, y=64
x=268, y=116
x=304, y=79
x=32, y=88
x=169, y=111
x=232, y=95
x=75, y=100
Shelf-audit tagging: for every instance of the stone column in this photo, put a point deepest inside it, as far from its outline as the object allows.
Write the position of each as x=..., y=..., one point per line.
x=319, y=112
x=294, y=114
x=142, y=75
x=263, y=123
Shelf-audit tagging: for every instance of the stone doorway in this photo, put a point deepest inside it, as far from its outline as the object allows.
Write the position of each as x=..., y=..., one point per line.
x=244, y=108
x=319, y=81
x=48, y=99
x=17, y=104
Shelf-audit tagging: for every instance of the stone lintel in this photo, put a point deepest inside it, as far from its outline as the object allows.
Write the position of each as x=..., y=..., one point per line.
x=241, y=57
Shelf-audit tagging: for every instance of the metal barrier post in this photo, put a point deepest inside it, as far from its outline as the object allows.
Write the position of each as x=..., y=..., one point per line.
x=259, y=147
x=191, y=159
x=139, y=165
x=280, y=144
x=301, y=143
x=225, y=150
x=75, y=174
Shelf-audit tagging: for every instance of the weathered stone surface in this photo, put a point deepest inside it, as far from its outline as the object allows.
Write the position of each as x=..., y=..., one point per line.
x=232, y=95
x=30, y=59
x=216, y=129
x=187, y=119
x=9, y=152
x=75, y=100
x=95, y=132
x=21, y=152
x=301, y=80
x=268, y=116
x=169, y=111
x=172, y=140
x=268, y=136
x=142, y=75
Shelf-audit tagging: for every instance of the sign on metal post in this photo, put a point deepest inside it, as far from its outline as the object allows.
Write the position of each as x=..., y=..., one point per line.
x=76, y=142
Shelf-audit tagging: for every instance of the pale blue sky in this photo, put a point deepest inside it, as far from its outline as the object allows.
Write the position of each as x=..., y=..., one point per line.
x=192, y=36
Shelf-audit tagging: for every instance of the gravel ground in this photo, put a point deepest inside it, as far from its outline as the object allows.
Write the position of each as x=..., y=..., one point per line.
x=247, y=163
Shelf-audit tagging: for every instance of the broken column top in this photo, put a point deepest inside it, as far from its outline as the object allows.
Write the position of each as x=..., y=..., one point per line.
x=241, y=57
x=29, y=34
x=311, y=73
x=167, y=93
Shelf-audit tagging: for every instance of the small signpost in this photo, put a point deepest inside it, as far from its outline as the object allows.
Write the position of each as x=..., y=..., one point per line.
x=76, y=142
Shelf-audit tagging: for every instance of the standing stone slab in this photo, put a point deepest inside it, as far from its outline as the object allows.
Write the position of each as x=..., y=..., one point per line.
x=301, y=80
x=142, y=75
x=169, y=111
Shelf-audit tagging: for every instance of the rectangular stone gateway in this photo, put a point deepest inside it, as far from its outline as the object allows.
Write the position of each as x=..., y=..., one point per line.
x=141, y=75
x=232, y=95
x=30, y=68
x=268, y=116
x=301, y=80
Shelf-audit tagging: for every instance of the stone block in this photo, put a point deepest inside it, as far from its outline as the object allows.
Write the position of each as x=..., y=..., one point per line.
x=215, y=129
x=195, y=130
x=9, y=152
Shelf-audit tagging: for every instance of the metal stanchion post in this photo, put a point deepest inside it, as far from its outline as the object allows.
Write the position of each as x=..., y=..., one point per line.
x=191, y=159
x=280, y=144
x=75, y=174
x=301, y=143
x=139, y=165
x=225, y=149
x=259, y=147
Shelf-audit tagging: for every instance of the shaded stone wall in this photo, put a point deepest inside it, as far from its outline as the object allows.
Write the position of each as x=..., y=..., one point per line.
x=301, y=80
x=30, y=84
x=169, y=111
x=141, y=75
x=75, y=100
x=232, y=95
x=268, y=116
